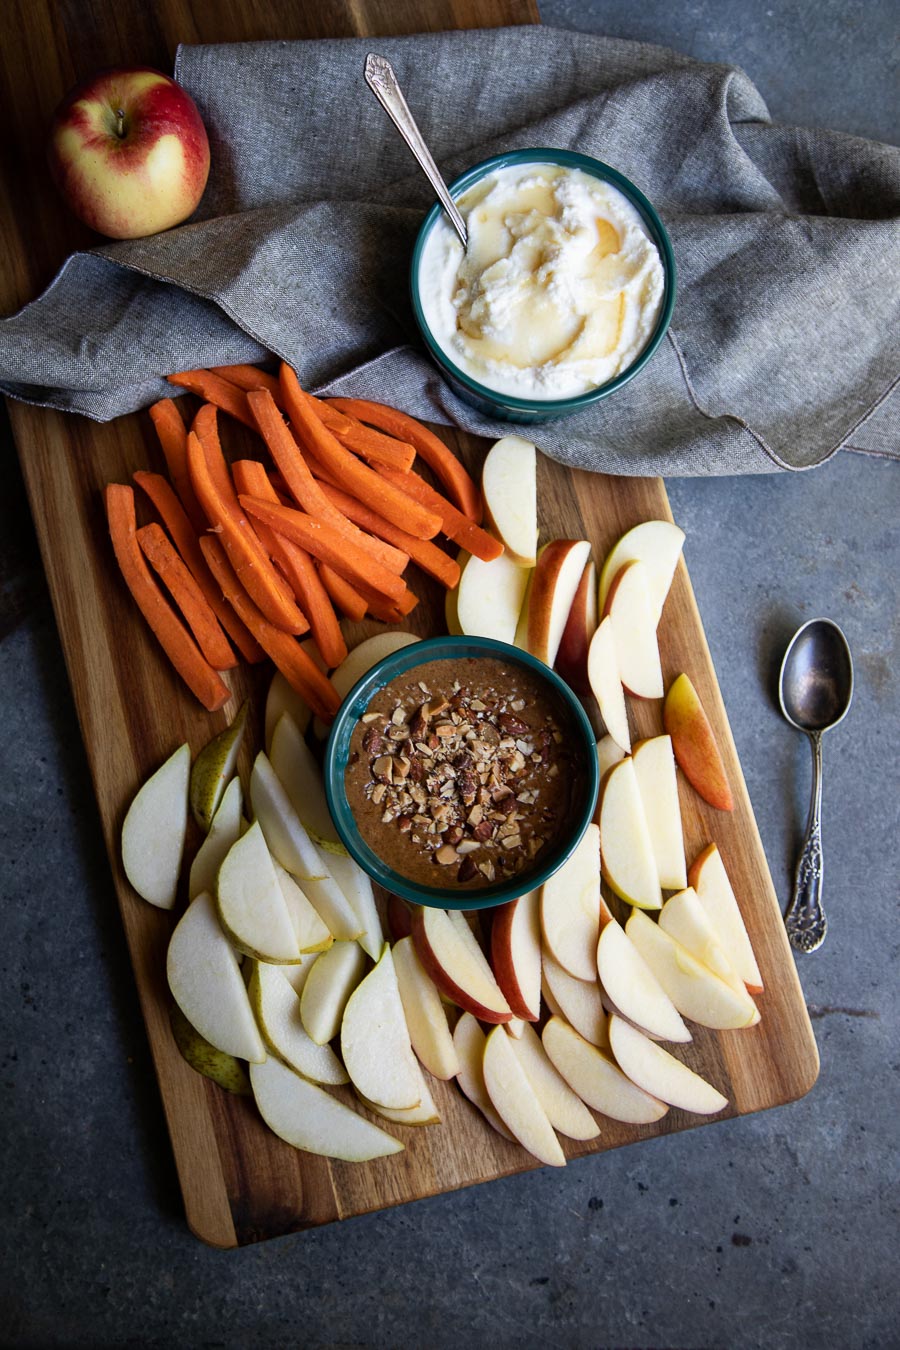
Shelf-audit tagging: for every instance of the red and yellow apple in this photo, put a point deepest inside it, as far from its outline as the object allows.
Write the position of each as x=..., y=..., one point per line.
x=694, y=743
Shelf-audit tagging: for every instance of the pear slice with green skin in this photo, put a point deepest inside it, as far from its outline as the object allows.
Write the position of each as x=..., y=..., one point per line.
x=213, y=768
x=375, y=1043
x=312, y=935
x=277, y=1010
x=206, y=983
x=327, y=990
x=309, y=1118
x=301, y=778
x=154, y=830
x=196, y=1050
x=426, y=1113
x=224, y=831
x=251, y=906
x=357, y=887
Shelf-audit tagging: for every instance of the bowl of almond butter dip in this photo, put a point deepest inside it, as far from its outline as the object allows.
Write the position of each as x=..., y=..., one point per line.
x=461, y=772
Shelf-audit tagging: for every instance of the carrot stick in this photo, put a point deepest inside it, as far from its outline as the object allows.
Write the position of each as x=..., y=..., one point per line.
x=454, y=524
x=250, y=377
x=355, y=477
x=171, y=633
x=348, y=600
x=172, y=433
x=253, y=568
x=435, y=453
x=326, y=544
x=297, y=566
x=213, y=389
x=296, y=666
x=184, y=537
x=187, y=596
x=429, y=557
x=371, y=445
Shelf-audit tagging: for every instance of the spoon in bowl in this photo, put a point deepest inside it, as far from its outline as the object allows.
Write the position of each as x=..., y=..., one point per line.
x=815, y=690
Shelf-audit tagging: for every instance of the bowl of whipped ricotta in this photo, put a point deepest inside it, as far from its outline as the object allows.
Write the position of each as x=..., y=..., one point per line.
x=564, y=290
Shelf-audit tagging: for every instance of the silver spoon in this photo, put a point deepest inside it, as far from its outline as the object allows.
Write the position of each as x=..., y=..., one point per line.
x=382, y=81
x=815, y=689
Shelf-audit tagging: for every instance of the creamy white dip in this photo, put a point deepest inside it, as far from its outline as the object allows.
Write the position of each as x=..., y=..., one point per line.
x=558, y=291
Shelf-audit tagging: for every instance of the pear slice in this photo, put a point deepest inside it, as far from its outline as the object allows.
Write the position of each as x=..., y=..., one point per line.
x=426, y=1113
x=312, y=935
x=154, y=830
x=468, y=1041
x=565, y=1109
x=361, y=658
x=206, y=983
x=308, y=1118
x=196, y=1050
x=626, y=850
x=283, y=698
x=696, y=992
x=596, y=1079
x=327, y=990
x=214, y=767
x=277, y=1011
x=297, y=975
x=251, y=905
x=300, y=776
x=516, y=1102
x=661, y=1074
x=224, y=831
x=357, y=888
x=375, y=1041
x=424, y=1011
x=291, y=845
x=631, y=988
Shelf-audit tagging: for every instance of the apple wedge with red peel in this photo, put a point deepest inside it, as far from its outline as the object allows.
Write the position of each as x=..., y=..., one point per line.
x=581, y=625
x=426, y=1019
x=633, y=990
x=455, y=962
x=596, y=1079
x=626, y=850
x=697, y=993
x=469, y=1040
x=516, y=1102
x=655, y=543
x=309, y=1118
x=564, y=1109
x=570, y=908
x=654, y=767
x=489, y=598
x=634, y=630
x=516, y=954
x=551, y=590
x=684, y=918
x=661, y=1074
x=606, y=684
x=710, y=881
x=694, y=743
x=327, y=990
x=375, y=1044
x=578, y=1001
x=509, y=490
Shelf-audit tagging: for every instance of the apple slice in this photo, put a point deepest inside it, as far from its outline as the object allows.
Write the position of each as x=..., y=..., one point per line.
x=606, y=684
x=154, y=831
x=696, y=992
x=300, y=776
x=596, y=1079
x=654, y=767
x=468, y=1041
x=327, y=990
x=489, y=598
x=292, y=846
x=633, y=990
x=206, y=983
x=312, y=935
x=696, y=751
x=661, y=1074
x=609, y=752
x=551, y=591
x=251, y=906
x=516, y=1102
x=509, y=490
x=426, y=1113
x=309, y=1118
x=570, y=908
x=375, y=1041
x=709, y=879
x=277, y=1011
x=655, y=543
x=581, y=625
x=628, y=607
x=424, y=1011
x=578, y=1001
x=626, y=851
x=516, y=954
x=224, y=831
x=452, y=957
x=684, y=918
x=357, y=888
x=358, y=660
x=564, y=1109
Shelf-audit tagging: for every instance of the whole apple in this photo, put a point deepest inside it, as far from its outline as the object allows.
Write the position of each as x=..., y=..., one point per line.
x=129, y=152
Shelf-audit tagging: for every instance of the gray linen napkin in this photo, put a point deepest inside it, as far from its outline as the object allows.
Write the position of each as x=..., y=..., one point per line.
x=783, y=346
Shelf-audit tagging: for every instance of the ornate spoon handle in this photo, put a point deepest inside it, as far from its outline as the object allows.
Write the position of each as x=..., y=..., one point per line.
x=382, y=81
x=805, y=919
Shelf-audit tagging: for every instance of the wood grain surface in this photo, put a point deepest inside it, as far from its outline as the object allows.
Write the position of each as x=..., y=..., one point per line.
x=240, y=1183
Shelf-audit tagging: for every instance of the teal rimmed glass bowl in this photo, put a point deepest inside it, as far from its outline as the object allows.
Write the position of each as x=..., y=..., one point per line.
x=576, y=727
x=508, y=407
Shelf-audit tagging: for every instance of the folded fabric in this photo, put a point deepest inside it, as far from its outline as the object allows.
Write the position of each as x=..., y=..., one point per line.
x=783, y=345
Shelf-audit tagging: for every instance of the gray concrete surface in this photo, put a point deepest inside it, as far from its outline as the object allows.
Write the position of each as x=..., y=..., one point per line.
x=777, y=1231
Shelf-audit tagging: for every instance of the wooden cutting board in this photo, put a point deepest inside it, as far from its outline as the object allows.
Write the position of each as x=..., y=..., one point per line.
x=240, y=1182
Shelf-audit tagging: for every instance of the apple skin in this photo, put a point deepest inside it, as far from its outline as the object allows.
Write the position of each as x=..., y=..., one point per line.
x=135, y=175
x=695, y=745
x=581, y=625
x=515, y=936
